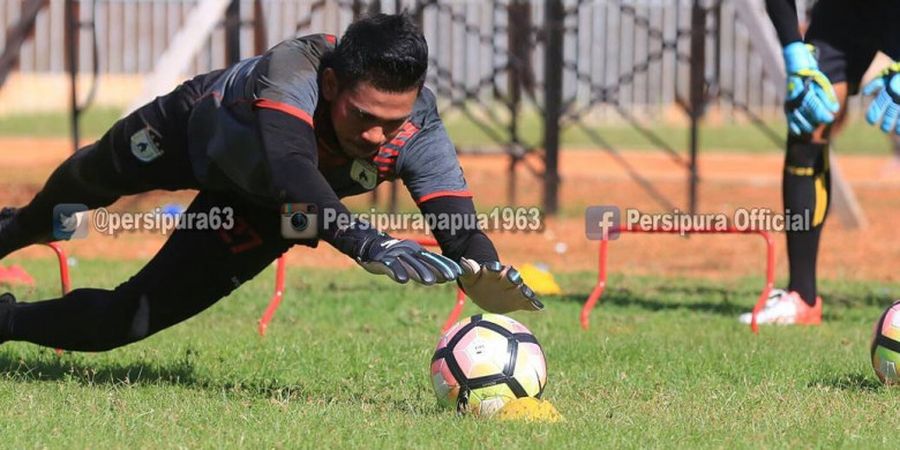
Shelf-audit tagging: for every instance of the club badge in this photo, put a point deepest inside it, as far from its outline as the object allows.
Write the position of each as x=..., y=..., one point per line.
x=365, y=173
x=144, y=147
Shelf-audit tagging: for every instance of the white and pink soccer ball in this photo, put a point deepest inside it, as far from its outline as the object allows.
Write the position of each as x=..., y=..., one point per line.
x=885, y=348
x=483, y=362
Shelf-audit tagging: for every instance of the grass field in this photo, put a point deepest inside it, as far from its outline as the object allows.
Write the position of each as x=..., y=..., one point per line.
x=857, y=138
x=345, y=365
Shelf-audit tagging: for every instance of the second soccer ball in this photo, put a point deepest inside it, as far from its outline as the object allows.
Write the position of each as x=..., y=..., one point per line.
x=885, y=350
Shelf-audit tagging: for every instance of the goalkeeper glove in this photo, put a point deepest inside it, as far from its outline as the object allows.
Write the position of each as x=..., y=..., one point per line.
x=886, y=106
x=402, y=260
x=496, y=288
x=810, y=99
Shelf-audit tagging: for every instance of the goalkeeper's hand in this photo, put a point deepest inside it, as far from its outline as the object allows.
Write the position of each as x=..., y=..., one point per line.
x=885, y=108
x=404, y=260
x=810, y=100
x=497, y=288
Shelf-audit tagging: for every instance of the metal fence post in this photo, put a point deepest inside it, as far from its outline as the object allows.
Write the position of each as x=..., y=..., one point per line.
x=71, y=39
x=697, y=95
x=553, y=72
x=233, y=32
x=260, y=41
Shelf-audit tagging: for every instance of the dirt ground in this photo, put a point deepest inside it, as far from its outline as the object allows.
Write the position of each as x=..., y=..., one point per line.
x=729, y=181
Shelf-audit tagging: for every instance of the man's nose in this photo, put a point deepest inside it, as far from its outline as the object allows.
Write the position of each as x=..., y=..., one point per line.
x=374, y=136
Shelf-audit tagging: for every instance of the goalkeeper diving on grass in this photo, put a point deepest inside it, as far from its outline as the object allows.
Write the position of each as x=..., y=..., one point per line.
x=311, y=121
x=823, y=68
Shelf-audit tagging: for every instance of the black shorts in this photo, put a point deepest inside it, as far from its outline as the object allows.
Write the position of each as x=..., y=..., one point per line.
x=848, y=34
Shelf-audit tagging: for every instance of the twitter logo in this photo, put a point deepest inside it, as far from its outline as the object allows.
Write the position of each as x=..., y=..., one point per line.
x=70, y=221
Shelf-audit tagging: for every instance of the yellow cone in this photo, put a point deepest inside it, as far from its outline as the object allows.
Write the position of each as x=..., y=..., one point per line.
x=540, y=280
x=529, y=409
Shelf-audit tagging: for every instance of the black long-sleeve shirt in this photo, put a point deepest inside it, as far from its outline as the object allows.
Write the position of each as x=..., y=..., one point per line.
x=783, y=14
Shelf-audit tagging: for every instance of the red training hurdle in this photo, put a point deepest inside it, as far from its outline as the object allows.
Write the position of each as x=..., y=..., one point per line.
x=602, y=267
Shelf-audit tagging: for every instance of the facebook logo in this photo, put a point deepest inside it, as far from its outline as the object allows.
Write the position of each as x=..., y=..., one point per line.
x=602, y=223
x=70, y=221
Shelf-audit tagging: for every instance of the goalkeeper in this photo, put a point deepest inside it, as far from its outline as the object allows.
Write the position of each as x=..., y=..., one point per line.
x=823, y=68
x=310, y=121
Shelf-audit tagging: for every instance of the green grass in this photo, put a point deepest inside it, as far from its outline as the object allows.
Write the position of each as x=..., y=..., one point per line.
x=345, y=365
x=857, y=138
x=94, y=123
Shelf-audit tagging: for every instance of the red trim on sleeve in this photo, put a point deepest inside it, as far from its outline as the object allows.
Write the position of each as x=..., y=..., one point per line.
x=285, y=108
x=332, y=39
x=437, y=194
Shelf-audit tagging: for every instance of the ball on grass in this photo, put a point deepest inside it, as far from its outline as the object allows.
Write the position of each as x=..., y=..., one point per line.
x=885, y=349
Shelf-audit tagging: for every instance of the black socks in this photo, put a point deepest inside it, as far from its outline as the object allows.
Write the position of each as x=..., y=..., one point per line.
x=805, y=190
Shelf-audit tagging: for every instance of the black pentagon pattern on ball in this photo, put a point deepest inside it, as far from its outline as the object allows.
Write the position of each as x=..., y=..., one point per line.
x=508, y=374
x=526, y=338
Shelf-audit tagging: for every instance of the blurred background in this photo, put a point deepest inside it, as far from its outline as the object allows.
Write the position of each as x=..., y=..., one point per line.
x=562, y=104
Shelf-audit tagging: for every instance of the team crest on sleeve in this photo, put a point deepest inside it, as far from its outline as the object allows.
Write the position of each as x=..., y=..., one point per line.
x=143, y=145
x=364, y=173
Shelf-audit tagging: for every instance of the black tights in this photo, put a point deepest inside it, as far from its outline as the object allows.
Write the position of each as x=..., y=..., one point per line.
x=192, y=271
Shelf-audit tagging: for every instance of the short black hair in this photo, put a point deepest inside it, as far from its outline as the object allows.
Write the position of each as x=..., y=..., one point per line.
x=386, y=50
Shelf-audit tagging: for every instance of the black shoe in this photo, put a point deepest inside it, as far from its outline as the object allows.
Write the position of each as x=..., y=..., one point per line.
x=6, y=218
x=11, y=236
x=7, y=299
x=7, y=302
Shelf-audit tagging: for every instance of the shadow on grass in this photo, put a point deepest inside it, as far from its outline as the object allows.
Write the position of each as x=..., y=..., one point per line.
x=50, y=368
x=47, y=368
x=855, y=382
x=669, y=298
x=37, y=368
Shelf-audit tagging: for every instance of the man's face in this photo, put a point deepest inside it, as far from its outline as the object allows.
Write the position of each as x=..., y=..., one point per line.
x=363, y=117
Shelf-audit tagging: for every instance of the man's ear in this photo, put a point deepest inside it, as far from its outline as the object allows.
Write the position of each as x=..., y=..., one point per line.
x=329, y=84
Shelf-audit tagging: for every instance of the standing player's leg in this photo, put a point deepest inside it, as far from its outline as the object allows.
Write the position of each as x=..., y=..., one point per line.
x=806, y=184
x=806, y=189
x=192, y=271
x=844, y=52
x=144, y=151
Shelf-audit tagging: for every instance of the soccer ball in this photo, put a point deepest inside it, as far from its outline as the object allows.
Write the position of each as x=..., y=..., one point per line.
x=886, y=345
x=485, y=361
